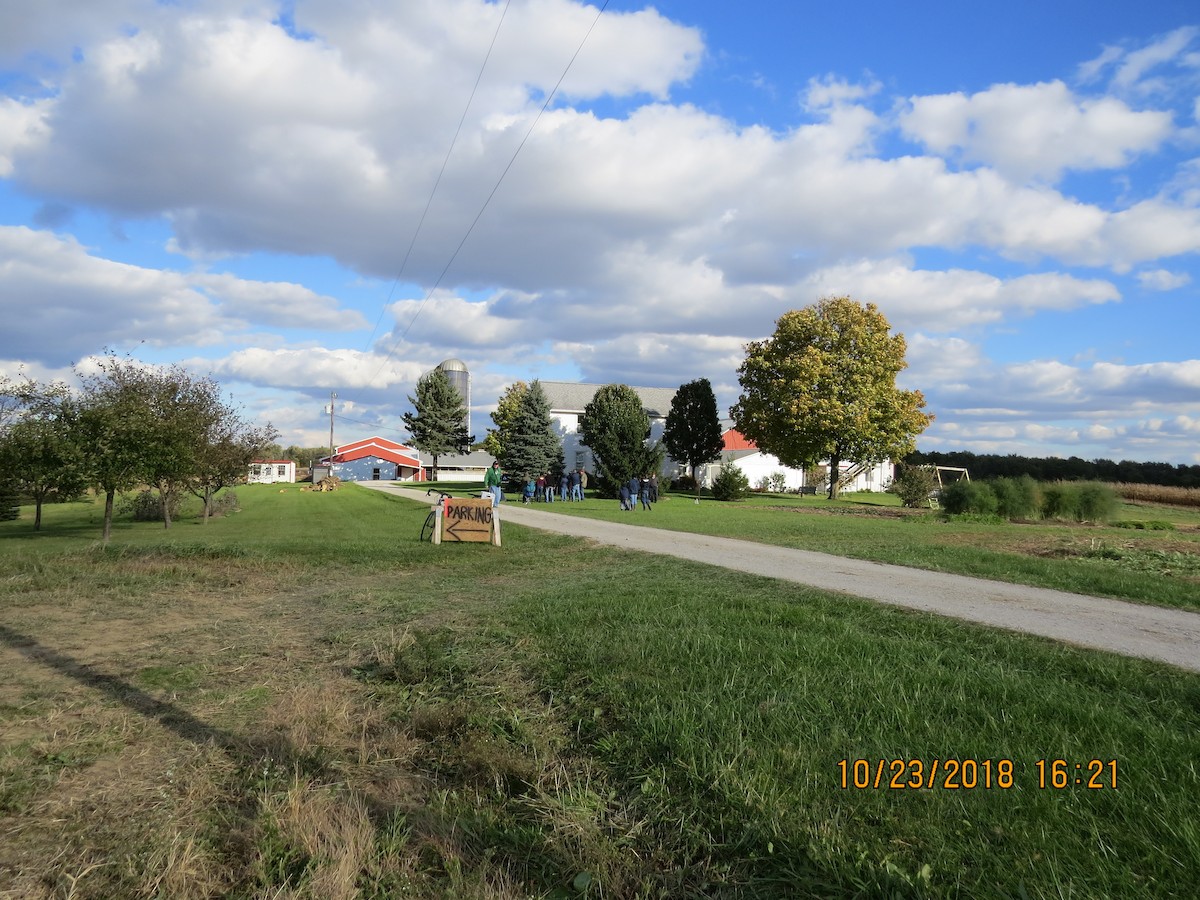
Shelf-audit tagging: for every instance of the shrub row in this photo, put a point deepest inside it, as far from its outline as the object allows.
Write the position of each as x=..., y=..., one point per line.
x=1024, y=498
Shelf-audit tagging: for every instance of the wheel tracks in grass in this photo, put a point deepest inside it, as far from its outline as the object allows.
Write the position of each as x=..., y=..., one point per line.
x=1165, y=635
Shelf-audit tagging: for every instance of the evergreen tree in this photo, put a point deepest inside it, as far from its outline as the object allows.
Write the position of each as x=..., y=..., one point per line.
x=614, y=426
x=693, y=433
x=531, y=445
x=504, y=416
x=731, y=483
x=438, y=423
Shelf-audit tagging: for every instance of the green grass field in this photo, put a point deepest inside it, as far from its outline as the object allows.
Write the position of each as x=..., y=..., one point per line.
x=302, y=700
x=1160, y=567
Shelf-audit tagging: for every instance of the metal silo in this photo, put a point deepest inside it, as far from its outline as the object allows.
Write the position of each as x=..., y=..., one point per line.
x=456, y=371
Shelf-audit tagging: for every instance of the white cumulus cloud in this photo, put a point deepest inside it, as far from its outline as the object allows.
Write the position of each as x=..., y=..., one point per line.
x=1038, y=130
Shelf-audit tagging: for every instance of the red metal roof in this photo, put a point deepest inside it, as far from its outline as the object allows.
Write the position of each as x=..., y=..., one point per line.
x=380, y=447
x=735, y=440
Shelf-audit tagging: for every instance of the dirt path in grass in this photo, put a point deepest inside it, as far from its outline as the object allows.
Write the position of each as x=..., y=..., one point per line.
x=1167, y=635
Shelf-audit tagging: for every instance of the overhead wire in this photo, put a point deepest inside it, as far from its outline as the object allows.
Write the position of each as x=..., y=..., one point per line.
x=549, y=99
x=437, y=182
x=374, y=425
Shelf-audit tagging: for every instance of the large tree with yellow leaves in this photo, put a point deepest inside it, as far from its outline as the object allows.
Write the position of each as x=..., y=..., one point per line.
x=823, y=387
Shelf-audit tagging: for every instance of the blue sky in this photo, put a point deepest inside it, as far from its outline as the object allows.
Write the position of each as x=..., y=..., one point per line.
x=235, y=185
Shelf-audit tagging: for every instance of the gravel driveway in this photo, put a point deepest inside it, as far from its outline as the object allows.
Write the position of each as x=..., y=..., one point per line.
x=1150, y=632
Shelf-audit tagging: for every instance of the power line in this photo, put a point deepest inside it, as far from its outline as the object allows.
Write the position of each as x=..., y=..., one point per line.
x=429, y=202
x=373, y=425
x=549, y=98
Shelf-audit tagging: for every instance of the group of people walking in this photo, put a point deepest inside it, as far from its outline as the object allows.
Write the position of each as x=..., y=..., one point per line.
x=571, y=486
x=644, y=490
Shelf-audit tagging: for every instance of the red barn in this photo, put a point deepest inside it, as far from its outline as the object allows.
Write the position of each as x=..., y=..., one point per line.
x=375, y=459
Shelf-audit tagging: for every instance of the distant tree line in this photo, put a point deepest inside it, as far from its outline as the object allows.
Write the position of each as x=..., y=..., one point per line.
x=990, y=465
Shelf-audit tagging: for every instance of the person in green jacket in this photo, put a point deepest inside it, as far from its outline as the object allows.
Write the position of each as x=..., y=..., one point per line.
x=493, y=478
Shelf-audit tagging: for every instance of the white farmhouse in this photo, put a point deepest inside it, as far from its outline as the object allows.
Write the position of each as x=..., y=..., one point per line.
x=757, y=466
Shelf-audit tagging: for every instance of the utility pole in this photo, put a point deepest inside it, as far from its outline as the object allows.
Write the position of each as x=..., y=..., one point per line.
x=332, y=397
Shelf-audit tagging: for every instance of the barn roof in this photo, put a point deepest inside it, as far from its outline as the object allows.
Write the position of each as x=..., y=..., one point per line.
x=572, y=397
x=378, y=447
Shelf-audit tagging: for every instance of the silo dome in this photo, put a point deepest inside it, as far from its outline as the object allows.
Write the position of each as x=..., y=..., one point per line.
x=456, y=371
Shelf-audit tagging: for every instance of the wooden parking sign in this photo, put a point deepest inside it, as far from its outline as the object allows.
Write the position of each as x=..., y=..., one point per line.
x=468, y=519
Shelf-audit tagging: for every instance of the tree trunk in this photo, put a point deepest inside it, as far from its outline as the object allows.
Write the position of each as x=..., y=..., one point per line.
x=108, y=513
x=37, y=513
x=164, y=496
x=208, y=493
x=835, y=475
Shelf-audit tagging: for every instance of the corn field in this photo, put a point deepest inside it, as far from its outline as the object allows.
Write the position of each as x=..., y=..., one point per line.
x=1157, y=493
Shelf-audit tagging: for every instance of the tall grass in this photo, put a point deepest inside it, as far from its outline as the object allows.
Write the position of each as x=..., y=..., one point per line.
x=1019, y=498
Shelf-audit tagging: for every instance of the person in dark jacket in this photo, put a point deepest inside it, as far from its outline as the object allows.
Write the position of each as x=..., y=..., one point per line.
x=644, y=491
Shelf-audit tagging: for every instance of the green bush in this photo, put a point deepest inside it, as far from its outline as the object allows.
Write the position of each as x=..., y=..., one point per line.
x=1079, y=502
x=913, y=485
x=145, y=506
x=731, y=484
x=969, y=497
x=224, y=503
x=1059, y=501
x=1097, y=502
x=1016, y=498
x=10, y=508
x=684, y=483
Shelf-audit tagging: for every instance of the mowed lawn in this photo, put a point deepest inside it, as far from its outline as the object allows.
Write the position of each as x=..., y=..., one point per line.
x=302, y=700
x=1125, y=559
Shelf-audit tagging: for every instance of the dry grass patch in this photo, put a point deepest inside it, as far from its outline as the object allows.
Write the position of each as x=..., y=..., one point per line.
x=319, y=831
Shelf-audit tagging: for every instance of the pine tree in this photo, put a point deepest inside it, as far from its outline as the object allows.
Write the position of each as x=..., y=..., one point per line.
x=531, y=446
x=614, y=426
x=731, y=483
x=438, y=423
x=693, y=431
x=504, y=416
